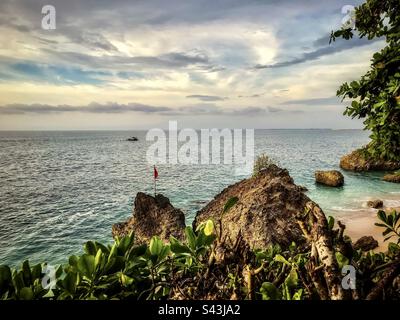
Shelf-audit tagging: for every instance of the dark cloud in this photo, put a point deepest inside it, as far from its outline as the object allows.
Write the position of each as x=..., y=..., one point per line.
x=202, y=97
x=256, y=95
x=335, y=47
x=274, y=110
x=117, y=108
x=171, y=60
x=90, y=108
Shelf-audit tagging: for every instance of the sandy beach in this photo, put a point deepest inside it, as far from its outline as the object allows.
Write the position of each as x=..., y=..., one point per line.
x=361, y=223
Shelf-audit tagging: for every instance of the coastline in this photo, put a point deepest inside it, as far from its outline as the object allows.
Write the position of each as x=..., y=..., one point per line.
x=361, y=222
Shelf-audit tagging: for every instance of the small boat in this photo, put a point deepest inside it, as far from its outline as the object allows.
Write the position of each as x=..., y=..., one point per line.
x=132, y=139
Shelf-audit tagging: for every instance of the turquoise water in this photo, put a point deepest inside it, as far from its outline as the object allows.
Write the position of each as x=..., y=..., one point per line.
x=59, y=189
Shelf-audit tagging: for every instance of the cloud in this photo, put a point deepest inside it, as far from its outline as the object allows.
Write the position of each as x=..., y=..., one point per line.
x=117, y=108
x=274, y=110
x=331, y=101
x=27, y=70
x=338, y=46
x=171, y=60
x=202, y=97
x=90, y=108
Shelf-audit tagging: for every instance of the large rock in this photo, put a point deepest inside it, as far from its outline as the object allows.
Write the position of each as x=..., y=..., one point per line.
x=332, y=178
x=265, y=211
x=152, y=216
x=366, y=243
x=356, y=161
x=375, y=204
x=395, y=177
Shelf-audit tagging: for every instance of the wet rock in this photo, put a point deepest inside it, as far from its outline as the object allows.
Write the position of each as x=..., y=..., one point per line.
x=376, y=204
x=264, y=213
x=395, y=178
x=332, y=178
x=366, y=243
x=152, y=216
x=356, y=161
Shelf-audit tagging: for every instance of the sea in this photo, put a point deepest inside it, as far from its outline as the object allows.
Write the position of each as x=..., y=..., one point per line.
x=60, y=189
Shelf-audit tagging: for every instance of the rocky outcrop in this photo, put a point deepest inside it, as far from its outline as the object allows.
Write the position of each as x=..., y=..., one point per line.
x=366, y=243
x=395, y=178
x=332, y=178
x=152, y=216
x=375, y=204
x=264, y=213
x=356, y=161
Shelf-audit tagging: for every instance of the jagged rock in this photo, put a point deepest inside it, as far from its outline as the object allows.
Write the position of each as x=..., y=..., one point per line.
x=303, y=188
x=366, y=243
x=152, y=216
x=376, y=204
x=395, y=178
x=356, y=161
x=265, y=211
x=332, y=178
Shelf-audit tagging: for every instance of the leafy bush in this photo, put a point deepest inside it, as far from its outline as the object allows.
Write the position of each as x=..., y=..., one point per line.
x=194, y=269
x=262, y=162
x=376, y=96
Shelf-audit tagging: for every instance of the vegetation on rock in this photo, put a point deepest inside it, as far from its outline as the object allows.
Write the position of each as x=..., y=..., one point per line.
x=189, y=269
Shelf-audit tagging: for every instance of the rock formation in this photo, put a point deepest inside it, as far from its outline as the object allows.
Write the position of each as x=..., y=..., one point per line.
x=376, y=204
x=356, y=161
x=365, y=243
x=395, y=177
x=265, y=212
x=152, y=216
x=331, y=178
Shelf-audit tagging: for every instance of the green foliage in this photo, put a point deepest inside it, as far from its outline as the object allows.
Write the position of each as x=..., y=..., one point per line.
x=391, y=223
x=182, y=269
x=376, y=96
x=262, y=162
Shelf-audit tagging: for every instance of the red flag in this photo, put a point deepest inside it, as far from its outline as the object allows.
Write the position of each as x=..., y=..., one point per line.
x=155, y=173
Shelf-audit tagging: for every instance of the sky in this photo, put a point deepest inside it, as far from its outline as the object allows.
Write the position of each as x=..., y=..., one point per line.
x=125, y=65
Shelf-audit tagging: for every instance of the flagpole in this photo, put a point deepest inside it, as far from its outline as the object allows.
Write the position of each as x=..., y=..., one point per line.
x=155, y=180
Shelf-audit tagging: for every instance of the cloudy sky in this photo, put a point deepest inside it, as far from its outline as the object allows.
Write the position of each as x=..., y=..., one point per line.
x=137, y=64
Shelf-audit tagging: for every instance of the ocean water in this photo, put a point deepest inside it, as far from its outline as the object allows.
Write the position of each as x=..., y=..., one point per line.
x=60, y=189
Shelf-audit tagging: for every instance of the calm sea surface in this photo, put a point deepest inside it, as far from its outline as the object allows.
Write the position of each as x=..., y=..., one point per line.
x=60, y=189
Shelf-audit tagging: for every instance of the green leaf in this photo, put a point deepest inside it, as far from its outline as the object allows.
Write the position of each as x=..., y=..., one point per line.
x=156, y=246
x=126, y=280
x=177, y=247
x=190, y=237
x=269, y=291
x=69, y=283
x=86, y=265
x=137, y=251
x=230, y=203
x=298, y=295
x=331, y=222
x=73, y=261
x=292, y=279
x=5, y=277
x=209, y=228
x=341, y=259
x=26, y=271
x=282, y=259
x=26, y=293
x=90, y=248
x=98, y=258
